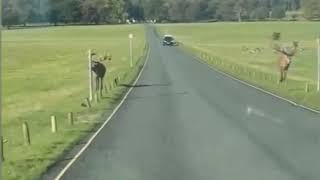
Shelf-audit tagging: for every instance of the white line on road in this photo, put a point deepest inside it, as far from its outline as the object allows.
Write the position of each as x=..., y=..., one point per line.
x=260, y=113
x=74, y=159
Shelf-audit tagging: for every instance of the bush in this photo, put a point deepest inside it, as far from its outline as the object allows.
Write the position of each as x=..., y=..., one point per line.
x=276, y=36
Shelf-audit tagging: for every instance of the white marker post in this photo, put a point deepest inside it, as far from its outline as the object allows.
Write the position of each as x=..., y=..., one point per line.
x=318, y=48
x=131, y=50
x=90, y=76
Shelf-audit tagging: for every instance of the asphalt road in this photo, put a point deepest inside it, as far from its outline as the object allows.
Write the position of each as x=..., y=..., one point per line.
x=185, y=121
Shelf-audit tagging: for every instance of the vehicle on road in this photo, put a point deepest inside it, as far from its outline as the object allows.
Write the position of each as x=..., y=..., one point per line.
x=168, y=40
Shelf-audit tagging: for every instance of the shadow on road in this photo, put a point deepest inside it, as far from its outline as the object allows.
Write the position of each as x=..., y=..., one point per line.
x=143, y=85
x=158, y=95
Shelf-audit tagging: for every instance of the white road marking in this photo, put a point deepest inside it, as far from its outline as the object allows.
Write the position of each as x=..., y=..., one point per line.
x=260, y=113
x=74, y=159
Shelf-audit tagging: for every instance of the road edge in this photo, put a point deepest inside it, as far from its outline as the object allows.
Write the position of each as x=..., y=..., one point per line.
x=92, y=138
x=248, y=84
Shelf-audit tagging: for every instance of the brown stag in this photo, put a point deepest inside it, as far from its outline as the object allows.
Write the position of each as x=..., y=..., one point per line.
x=100, y=70
x=285, y=59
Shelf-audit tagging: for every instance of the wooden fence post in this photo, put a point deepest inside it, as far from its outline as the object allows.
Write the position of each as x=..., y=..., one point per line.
x=2, y=150
x=96, y=97
x=119, y=80
x=26, y=133
x=115, y=81
x=106, y=88
x=54, y=127
x=88, y=102
x=90, y=75
x=70, y=118
x=307, y=87
x=112, y=85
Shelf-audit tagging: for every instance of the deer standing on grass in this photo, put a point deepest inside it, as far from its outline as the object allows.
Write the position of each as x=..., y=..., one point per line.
x=285, y=59
x=100, y=70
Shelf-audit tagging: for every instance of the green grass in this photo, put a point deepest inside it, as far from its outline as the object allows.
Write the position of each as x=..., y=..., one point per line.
x=44, y=74
x=222, y=45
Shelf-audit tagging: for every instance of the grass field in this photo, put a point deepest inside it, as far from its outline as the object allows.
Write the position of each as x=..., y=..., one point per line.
x=231, y=47
x=44, y=74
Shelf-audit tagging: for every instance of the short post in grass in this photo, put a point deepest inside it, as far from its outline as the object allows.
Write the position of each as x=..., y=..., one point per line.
x=70, y=118
x=90, y=75
x=106, y=88
x=112, y=84
x=26, y=133
x=306, y=88
x=54, y=127
x=262, y=75
x=115, y=81
x=131, y=49
x=109, y=86
x=265, y=76
x=96, y=97
x=318, y=81
x=88, y=103
x=2, y=149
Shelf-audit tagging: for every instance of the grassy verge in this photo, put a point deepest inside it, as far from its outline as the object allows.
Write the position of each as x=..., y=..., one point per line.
x=45, y=73
x=231, y=47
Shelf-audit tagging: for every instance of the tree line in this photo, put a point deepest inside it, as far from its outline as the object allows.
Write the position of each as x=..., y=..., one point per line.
x=119, y=11
x=230, y=10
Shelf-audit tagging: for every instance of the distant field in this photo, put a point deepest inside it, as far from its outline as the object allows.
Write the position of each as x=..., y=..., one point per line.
x=235, y=43
x=45, y=73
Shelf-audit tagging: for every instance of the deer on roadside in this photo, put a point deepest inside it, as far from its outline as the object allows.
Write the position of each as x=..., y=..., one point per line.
x=100, y=71
x=285, y=59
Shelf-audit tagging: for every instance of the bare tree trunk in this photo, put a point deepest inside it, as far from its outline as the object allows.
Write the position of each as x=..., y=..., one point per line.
x=239, y=16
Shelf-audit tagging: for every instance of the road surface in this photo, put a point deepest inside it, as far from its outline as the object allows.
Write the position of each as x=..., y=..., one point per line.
x=184, y=121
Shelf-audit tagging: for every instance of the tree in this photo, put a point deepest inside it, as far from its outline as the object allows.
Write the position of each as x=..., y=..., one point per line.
x=259, y=13
x=192, y=11
x=25, y=10
x=294, y=5
x=311, y=9
x=153, y=9
x=134, y=10
x=116, y=11
x=71, y=11
x=95, y=11
x=240, y=8
x=204, y=10
x=55, y=11
x=213, y=8
x=177, y=10
x=224, y=12
x=9, y=13
x=278, y=12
